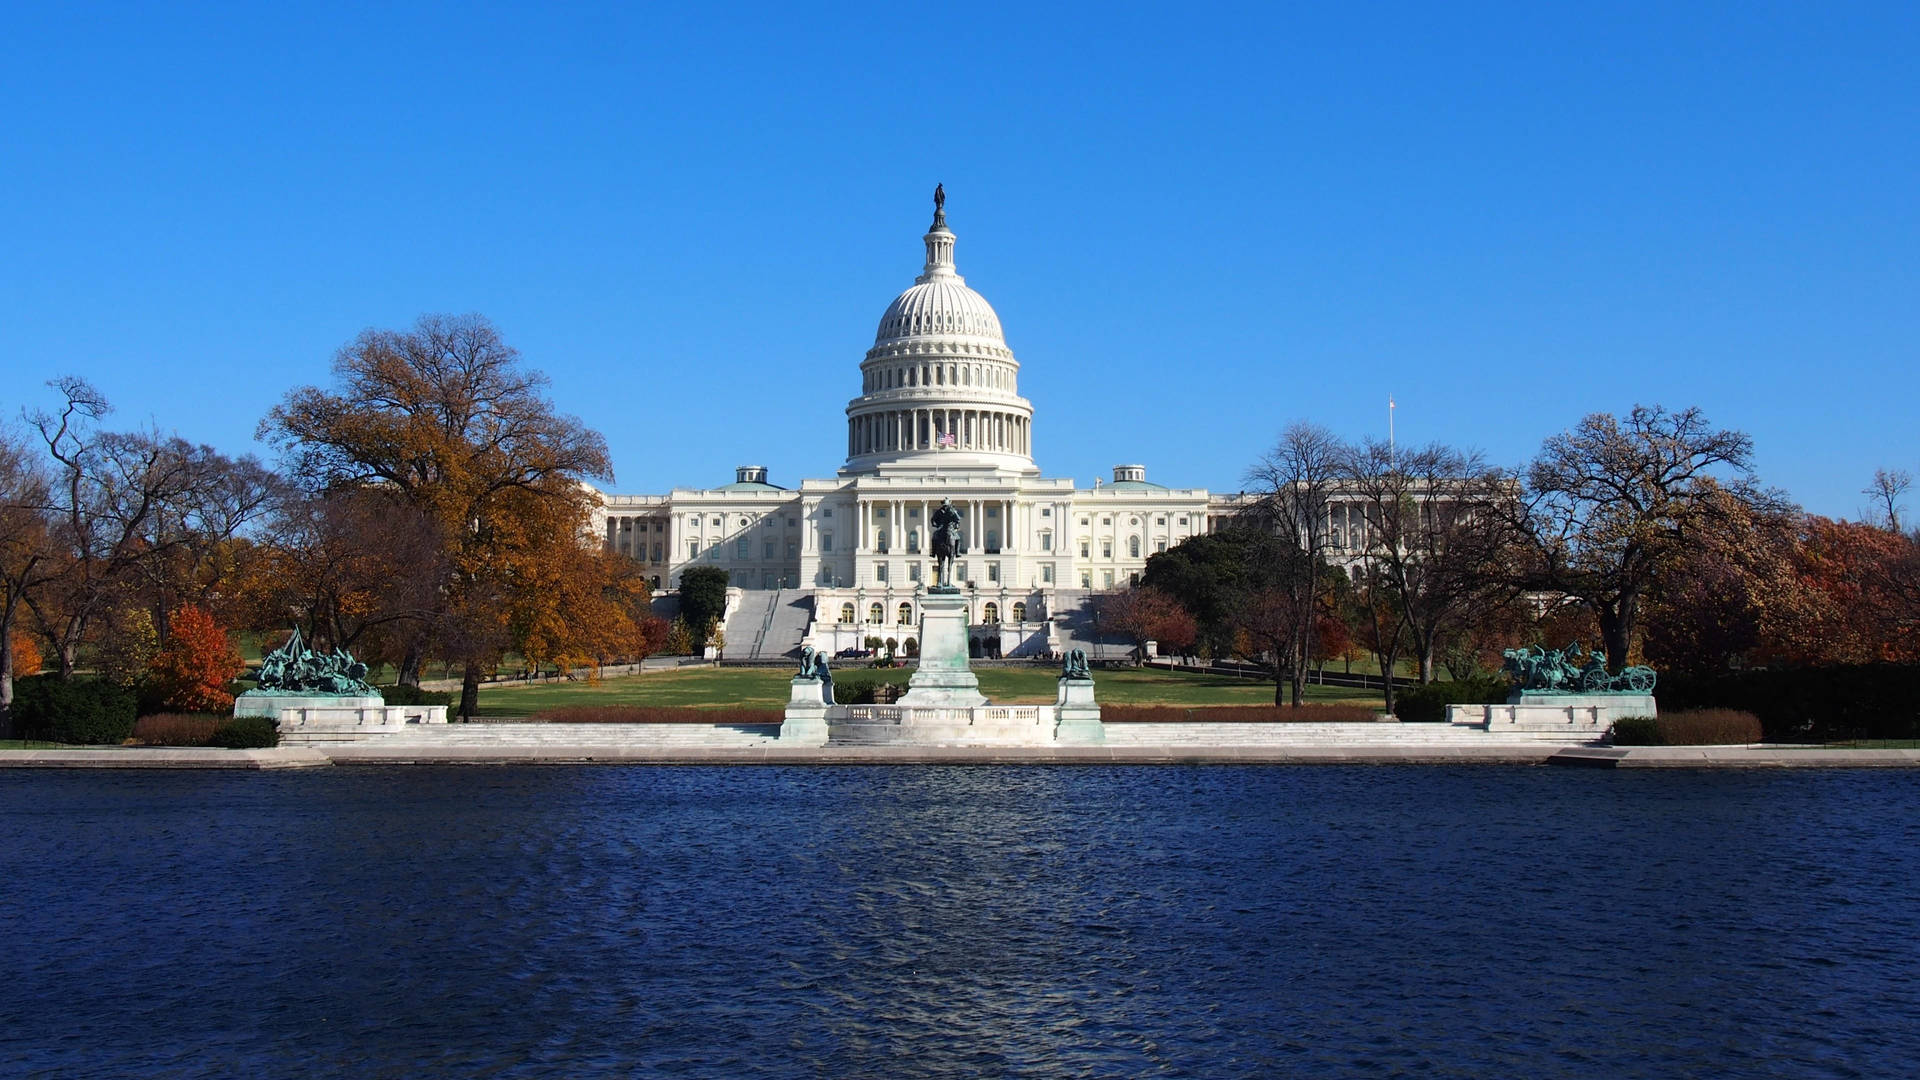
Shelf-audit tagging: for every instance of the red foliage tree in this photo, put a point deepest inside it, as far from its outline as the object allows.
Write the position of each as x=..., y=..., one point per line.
x=193, y=668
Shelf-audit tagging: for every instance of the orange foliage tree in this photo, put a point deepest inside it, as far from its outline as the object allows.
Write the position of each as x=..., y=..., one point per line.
x=445, y=419
x=26, y=655
x=193, y=668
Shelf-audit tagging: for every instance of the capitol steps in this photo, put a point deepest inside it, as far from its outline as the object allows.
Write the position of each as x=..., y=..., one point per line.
x=746, y=625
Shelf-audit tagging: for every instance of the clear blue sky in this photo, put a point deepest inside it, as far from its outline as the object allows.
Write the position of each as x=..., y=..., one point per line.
x=1198, y=223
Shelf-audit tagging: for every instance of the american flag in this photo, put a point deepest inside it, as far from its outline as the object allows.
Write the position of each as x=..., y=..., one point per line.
x=946, y=438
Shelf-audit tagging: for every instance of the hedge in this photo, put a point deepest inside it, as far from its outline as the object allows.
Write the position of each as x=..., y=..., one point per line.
x=413, y=695
x=77, y=712
x=1864, y=701
x=1689, y=727
x=246, y=733
x=1428, y=704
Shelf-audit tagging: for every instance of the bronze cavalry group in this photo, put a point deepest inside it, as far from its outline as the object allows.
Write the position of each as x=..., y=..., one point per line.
x=1573, y=670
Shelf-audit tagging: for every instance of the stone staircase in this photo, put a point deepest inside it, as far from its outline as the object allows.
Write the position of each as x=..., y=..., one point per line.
x=990, y=725
x=768, y=624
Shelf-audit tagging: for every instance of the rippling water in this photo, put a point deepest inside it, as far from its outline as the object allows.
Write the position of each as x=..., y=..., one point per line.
x=959, y=922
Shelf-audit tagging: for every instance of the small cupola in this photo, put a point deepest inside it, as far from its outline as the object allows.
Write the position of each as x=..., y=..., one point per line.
x=750, y=474
x=1124, y=473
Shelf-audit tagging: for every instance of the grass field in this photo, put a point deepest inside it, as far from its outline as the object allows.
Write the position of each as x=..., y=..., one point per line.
x=767, y=688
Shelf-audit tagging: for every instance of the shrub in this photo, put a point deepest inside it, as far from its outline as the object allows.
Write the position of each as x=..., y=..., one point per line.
x=1428, y=704
x=1238, y=714
x=245, y=733
x=649, y=714
x=858, y=688
x=77, y=712
x=1691, y=727
x=1862, y=701
x=1636, y=731
x=413, y=695
x=177, y=729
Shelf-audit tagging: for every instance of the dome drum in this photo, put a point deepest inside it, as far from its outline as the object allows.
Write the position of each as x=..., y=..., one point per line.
x=940, y=388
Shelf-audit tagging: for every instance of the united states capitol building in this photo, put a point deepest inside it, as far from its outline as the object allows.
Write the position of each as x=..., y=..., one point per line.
x=837, y=560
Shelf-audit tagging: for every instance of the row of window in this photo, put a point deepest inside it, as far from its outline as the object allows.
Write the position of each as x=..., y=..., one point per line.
x=1106, y=547
x=877, y=613
x=1159, y=520
x=940, y=374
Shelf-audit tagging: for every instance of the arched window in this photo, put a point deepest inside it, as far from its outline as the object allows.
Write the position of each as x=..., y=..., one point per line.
x=846, y=613
x=1133, y=546
x=906, y=614
x=876, y=614
x=913, y=541
x=1019, y=612
x=991, y=614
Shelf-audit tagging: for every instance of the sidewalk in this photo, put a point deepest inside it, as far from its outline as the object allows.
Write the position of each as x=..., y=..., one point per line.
x=381, y=752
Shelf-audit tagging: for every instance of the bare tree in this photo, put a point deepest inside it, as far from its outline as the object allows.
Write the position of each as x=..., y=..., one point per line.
x=1434, y=534
x=1608, y=504
x=126, y=510
x=1293, y=482
x=1888, y=488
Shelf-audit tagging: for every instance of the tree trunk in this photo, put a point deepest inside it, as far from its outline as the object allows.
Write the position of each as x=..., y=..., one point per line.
x=410, y=666
x=6, y=683
x=469, y=690
x=1426, y=663
x=1616, y=630
x=1387, y=662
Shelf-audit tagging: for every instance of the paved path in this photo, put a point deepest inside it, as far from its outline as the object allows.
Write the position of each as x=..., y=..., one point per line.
x=395, y=753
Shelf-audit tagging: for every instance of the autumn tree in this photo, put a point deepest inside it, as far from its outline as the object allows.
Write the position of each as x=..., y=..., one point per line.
x=444, y=417
x=1146, y=614
x=1610, y=504
x=1727, y=597
x=27, y=561
x=1848, y=608
x=129, y=515
x=584, y=606
x=361, y=568
x=192, y=671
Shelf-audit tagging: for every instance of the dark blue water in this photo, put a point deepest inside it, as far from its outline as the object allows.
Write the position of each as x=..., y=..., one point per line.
x=955, y=922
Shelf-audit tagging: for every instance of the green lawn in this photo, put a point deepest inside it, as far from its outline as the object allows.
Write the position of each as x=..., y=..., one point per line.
x=30, y=744
x=767, y=688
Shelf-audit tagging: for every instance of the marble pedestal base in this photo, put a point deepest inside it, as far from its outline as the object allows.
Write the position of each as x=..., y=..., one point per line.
x=1531, y=715
x=1076, y=716
x=272, y=705
x=943, y=678
x=805, y=722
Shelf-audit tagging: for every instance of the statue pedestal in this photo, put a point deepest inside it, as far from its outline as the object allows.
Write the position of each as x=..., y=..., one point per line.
x=254, y=703
x=1530, y=716
x=805, y=723
x=1076, y=717
x=943, y=678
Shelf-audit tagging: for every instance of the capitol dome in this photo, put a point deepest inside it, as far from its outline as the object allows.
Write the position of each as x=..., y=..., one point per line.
x=940, y=307
x=939, y=388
